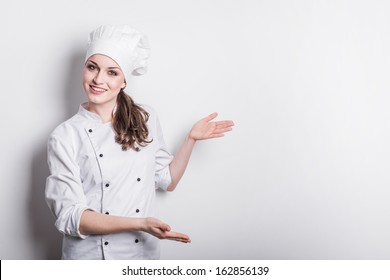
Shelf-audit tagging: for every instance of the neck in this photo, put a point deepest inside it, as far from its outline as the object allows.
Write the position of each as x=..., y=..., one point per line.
x=103, y=110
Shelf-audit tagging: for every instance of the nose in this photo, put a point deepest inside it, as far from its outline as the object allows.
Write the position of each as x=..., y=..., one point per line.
x=99, y=78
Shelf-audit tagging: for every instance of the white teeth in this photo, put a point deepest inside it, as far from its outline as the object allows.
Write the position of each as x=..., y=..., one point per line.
x=98, y=89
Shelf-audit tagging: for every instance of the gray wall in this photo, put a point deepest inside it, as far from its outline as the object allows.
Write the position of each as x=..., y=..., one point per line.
x=305, y=173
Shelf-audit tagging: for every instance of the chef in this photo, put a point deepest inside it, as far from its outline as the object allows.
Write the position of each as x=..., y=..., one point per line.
x=107, y=161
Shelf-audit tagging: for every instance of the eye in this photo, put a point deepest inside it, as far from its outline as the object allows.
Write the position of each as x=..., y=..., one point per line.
x=91, y=67
x=112, y=73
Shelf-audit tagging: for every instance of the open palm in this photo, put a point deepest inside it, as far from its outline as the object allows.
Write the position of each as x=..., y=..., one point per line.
x=206, y=128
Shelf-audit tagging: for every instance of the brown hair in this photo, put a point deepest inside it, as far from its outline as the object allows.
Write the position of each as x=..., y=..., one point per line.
x=129, y=122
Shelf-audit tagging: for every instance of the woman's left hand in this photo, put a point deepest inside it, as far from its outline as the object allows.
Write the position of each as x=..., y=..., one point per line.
x=202, y=129
x=206, y=129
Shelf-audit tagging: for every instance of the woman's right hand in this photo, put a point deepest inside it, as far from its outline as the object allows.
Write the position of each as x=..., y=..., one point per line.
x=162, y=230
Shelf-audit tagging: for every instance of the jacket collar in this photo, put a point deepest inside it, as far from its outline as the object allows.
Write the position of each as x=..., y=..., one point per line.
x=87, y=114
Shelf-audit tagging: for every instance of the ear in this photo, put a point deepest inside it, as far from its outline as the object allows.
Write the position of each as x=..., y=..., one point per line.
x=123, y=85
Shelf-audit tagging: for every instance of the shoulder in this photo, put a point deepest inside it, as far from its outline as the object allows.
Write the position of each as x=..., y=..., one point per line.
x=65, y=130
x=67, y=137
x=153, y=115
x=147, y=108
x=154, y=120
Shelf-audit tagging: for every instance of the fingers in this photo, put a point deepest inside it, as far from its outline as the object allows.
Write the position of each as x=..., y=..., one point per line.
x=176, y=236
x=219, y=124
x=163, y=231
x=216, y=136
x=226, y=123
x=211, y=116
x=221, y=128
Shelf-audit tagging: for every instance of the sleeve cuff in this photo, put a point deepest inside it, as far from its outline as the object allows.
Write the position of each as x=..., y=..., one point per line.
x=163, y=179
x=69, y=223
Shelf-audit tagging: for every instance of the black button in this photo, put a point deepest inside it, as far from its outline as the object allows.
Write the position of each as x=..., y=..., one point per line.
x=107, y=213
x=101, y=155
x=138, y=179
x=136, y=241
x=137, y=149
x=137, y=210
x=90, y=130
x=107, y=185
x=106, y=243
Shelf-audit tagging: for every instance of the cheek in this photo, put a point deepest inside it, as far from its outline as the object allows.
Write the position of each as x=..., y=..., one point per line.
x=116, y=84
x=87, y=76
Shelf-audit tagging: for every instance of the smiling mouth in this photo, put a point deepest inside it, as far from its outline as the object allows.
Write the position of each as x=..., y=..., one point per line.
x=97, y=89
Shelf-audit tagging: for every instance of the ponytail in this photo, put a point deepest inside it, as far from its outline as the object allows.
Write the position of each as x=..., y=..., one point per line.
x=129, y=122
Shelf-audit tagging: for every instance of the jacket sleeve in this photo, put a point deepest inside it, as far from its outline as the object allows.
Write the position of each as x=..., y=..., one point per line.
x=64, y=192
x=163, y=159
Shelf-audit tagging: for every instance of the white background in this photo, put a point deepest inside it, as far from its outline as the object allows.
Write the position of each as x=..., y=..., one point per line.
x=305, y=173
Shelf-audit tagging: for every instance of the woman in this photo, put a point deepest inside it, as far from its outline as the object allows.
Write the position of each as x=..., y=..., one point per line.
x=107, y=160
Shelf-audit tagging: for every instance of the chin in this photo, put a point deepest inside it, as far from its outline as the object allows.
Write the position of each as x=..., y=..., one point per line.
x=96, y=100
x=99, y=100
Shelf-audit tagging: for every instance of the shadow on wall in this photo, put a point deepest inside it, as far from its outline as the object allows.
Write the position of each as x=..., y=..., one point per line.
x=46, y=239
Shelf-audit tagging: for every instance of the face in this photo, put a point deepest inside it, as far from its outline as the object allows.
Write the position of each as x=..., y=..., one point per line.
x=102, y=80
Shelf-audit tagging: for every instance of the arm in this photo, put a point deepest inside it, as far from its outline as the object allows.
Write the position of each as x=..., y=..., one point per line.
x=202, y=130
x=97, y=223
x=67, y=201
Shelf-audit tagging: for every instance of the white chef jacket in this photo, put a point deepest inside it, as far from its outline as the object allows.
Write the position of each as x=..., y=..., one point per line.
x=89, y=170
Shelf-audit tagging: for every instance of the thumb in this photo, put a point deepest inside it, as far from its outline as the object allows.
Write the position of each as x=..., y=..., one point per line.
x=211, y=116
x=165, y=227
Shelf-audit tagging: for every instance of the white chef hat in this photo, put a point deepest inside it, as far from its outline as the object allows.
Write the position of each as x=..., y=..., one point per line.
x=128, y=47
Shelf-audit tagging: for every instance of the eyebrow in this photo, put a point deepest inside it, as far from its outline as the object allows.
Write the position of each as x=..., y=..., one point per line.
x=114, y=67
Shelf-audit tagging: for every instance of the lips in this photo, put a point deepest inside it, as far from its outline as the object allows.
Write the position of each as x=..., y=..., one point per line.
x=96, y=90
